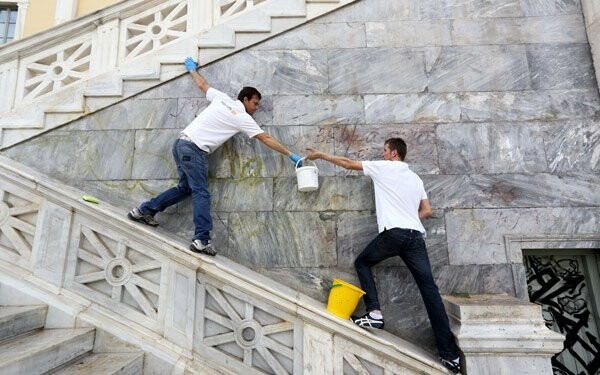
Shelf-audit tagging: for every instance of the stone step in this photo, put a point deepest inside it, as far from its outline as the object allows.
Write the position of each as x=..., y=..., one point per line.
x=41, y=351
x=105, y=364
x=16, y=320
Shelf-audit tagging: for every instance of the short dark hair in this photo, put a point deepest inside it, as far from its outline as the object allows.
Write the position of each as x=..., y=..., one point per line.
x=248, y=92
x=397, y=144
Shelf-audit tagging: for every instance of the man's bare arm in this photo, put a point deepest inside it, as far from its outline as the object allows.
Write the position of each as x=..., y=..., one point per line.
x=342, y=161
x=425, y=210
x=200, y=81
x=273, y=143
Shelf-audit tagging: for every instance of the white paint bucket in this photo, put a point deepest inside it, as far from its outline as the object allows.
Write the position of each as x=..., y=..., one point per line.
x=308, y=176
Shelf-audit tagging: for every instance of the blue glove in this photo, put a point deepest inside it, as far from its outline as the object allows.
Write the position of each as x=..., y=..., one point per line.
x=190, y=64
x=295, y=158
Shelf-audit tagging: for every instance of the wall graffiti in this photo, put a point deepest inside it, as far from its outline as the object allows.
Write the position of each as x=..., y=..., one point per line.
x=558, y=283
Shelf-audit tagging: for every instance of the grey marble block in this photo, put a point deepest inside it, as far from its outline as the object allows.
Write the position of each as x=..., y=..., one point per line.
x=492, y=279
x=249, y=194
x=434, y=9
x=153, y=156
x=477, y=236
x=282, y=239
x=131, y=114
x=355, y=230
x=86, y=155
x=491, y=148
x=374, y=10
x=279, y=72
x=529, y=105
x=573, y=146
x=512, y=190
x=557, y=66
x=366, y=143
x=334, y=194
x=480, y=68
x=318, y=110
x=557, y=29
x=315, y=35
x=409, y=33
x=550, y=7
x=376, y=70
x=412, y=108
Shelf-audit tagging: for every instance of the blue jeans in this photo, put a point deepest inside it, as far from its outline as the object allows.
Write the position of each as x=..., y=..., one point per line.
x=192, y=168
x=409, y=245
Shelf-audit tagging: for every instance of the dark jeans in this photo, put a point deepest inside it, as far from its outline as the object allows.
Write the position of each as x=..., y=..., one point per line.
x=192, y=168
x=409, y=245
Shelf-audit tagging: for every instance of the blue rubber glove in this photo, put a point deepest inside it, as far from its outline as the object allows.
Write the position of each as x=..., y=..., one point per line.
x=190, y=64
x=295, y=158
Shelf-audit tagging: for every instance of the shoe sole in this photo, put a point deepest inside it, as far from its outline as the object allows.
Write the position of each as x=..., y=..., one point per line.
x=370, y=328
x=195, y=250
x=133, y=218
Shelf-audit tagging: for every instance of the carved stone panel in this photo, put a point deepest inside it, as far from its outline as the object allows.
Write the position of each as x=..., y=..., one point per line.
x=18, y=217
x=118, y=274
x=244, y=331
x=52, y=69
x=153, y=28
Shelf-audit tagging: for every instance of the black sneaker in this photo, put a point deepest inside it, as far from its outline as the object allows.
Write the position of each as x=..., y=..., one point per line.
x=137, y=215
x=204, y=247
x=367, y=321
x=452, y=364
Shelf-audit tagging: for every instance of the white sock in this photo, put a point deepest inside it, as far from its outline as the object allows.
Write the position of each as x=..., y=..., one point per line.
x=375, y=316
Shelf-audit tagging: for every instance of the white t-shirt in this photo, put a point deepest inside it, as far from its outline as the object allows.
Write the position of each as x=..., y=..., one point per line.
x=221, y=120
x=398, y=194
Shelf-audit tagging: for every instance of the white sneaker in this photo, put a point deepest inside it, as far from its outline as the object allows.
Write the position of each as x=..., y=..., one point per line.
x=205, y=247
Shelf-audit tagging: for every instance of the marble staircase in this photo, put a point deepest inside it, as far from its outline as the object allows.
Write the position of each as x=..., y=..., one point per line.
x=27, y=348
x=90, y=63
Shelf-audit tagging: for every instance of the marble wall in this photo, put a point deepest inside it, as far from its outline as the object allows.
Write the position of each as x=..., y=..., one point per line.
x=497, y=100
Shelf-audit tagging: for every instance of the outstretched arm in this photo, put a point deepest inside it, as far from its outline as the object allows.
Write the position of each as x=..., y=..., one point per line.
x=273, y=143
x=191, y=66
x=343, y=162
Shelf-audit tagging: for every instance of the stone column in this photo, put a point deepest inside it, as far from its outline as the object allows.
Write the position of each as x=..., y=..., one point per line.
x=21, y=13
x=502, y=335
x=65, y=11
x=591, y=12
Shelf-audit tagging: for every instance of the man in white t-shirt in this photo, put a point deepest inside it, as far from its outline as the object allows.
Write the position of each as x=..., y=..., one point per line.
x=223, y=119
x=400, y=202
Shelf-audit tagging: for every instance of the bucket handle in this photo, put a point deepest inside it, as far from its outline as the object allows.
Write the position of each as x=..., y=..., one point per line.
x=335, y=286
x=304, y=158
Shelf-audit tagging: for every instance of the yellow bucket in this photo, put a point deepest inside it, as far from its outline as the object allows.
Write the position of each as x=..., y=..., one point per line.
x=343, y=298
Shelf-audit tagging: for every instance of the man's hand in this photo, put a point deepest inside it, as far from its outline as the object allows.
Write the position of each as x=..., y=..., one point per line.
x=314, y=154
x=295, y=158
x=190, y=64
